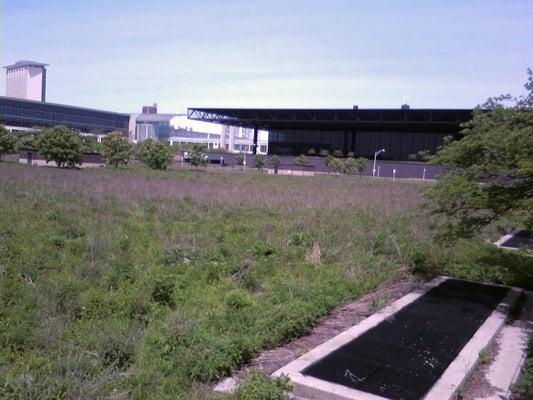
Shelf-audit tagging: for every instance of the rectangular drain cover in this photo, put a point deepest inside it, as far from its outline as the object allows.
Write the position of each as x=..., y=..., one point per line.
x=403, y=356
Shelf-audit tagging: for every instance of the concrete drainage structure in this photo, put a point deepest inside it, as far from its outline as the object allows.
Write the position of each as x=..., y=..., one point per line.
x=445, y=387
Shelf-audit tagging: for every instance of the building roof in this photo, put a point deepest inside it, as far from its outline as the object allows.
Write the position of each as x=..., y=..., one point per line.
x=156, y=117
x=46, y=103
x=25, y=63
x=333, y=119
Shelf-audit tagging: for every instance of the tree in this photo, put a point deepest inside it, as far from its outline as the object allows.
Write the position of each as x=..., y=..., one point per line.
x=61, y=145
x=7, y=141
x=156, y=155
x=355, y=165
x=90, y=144
x=198, y=155
x=116, y=149
x=275, y=161
x=259, y=161
x=239, y=159
x=490, y=169
x=301, y=161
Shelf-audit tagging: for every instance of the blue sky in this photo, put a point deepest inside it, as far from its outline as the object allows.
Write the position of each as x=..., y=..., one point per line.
x=119, y=55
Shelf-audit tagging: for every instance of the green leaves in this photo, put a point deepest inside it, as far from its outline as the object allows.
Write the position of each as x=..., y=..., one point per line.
x=198, y=155
x=7, y=141
x=116, y=150
x=490, y=170
x=62, y=145
x=156, y=155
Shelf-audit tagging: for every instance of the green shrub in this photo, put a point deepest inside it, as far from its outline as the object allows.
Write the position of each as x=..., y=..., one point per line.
x=7, y=141
x=338, y=153
x=163, y=289
x=301, y=161
x=236, y=299
x=198, y=155
x=274, y=160
x=61, y=145
x=336, y=165
x=116, y=149
x=258, y=386
x=355, y=165
x=239, y=159
x=311, y=152
x=259, y=161
x=156, y=155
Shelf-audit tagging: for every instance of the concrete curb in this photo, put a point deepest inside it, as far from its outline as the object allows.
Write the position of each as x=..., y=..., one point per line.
x=444, y=388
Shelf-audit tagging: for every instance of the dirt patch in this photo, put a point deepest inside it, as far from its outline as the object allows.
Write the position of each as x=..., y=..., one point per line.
x=477, y=386
x=329, y=326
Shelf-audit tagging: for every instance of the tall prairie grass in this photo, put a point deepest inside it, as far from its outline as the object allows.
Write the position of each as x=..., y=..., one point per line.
x=140, y=284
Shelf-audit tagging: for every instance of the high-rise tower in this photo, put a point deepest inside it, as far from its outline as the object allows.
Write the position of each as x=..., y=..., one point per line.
x=26, y=80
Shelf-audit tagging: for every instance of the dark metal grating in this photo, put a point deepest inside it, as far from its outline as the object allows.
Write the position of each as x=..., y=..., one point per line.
x=402, y=357
x=520, y=239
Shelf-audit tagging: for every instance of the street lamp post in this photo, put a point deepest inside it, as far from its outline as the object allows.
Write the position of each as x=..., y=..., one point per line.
x=376, y=154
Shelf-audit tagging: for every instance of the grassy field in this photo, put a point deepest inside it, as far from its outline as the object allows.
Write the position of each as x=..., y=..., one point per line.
x=141, y=284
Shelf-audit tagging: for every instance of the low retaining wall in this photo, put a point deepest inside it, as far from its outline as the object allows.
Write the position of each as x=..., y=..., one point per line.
x=384, y=169
x=31, y=157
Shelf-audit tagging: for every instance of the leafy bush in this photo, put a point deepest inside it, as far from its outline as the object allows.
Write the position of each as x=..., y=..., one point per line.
x=7, y=141
x=258, y=386
x=156, y=155
x=311, y=152
x=355, y=165
x=90, y=144
x=239, y=159
x=338, y=153
x=62, y=145
x=301, y=160
x=236, y=299
x=163, y=290
x=336, y=165
x=116, y=149
x=274, y=160
x=259, y=161
x=198, y=155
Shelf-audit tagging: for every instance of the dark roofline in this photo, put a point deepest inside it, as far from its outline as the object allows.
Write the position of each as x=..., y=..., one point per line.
x=26, y=63
x=62, y=105
x=331, y=118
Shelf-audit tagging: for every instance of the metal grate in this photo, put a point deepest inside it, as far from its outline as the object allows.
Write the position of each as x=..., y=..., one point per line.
x=520, y=239
x=403, y=356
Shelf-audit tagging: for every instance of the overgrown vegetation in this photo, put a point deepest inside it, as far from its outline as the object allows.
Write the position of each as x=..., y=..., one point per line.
x=7, y=141
x=524, y=388
x=198, y=155
x=490, y=170
x=150, y=284
x=61, y=145
x=116, y=149
x=156, y=155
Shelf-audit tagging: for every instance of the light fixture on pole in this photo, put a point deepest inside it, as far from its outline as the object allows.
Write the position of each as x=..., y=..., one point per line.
x=376, y=154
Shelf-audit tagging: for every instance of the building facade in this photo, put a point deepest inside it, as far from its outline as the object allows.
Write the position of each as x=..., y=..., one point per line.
x=19, y=114
x=173, y=128
x=26, y=80
x=404, y=133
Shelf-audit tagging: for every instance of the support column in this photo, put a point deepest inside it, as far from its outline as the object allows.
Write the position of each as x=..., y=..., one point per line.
x=254, y=147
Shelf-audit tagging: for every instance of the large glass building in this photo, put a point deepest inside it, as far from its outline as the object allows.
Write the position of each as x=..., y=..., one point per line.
x=404, y=133
x=28, y=114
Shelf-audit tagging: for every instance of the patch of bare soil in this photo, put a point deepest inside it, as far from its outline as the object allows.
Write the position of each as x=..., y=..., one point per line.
x=330, y=326
x=477, y=386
